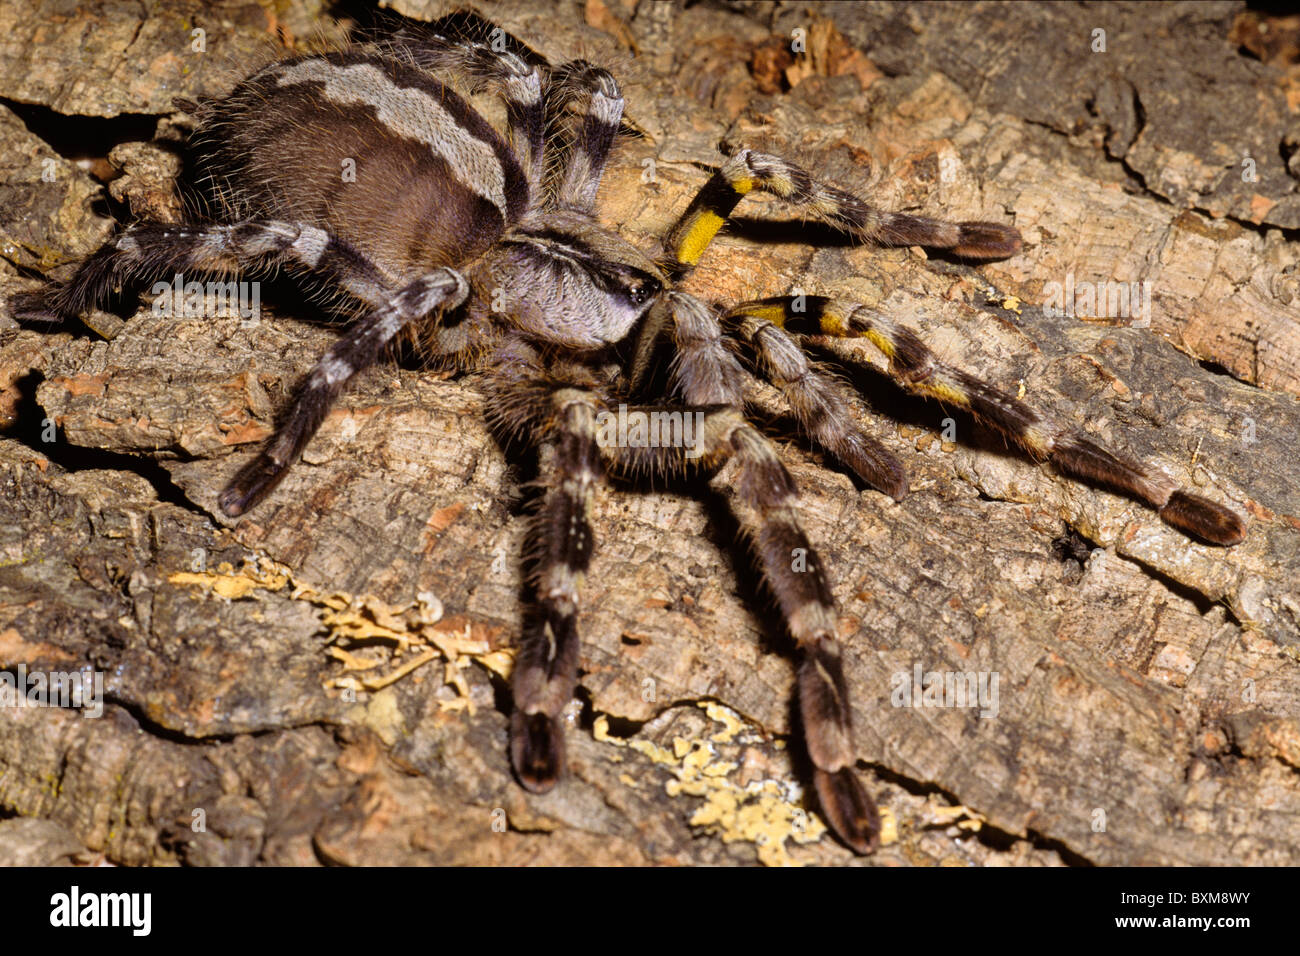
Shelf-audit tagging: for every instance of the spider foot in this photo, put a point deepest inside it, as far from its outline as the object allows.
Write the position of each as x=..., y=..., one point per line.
x=1203, y=518
x=536, y=750
x=986, y=240
x=823, y=702
x=847, y=808
x=251, y=485
x=35, y=307
x=883, y=472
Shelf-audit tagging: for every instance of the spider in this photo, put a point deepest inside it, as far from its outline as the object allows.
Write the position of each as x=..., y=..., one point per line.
x=483, y=247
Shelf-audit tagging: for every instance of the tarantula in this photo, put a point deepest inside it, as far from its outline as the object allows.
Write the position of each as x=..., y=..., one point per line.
x=485, y=248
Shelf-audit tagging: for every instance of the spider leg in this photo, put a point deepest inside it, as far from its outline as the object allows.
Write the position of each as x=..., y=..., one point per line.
x=819, y=401
x=358, y=348
x=916, y=368
x=154, y=248
x=546, y=665
x=764, y=497
x=517, y=82
x=602, y=103
x=747, y=171
x=707, y=372
x=150, y=249
x=705, y=368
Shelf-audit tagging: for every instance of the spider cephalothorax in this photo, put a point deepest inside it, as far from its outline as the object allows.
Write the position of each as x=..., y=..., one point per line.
x=486, y=250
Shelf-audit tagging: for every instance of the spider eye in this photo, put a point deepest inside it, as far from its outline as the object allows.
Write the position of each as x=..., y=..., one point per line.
x=641, y=292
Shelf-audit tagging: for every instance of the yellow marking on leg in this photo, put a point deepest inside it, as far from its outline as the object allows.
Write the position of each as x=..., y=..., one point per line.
x=777, y=184
x=768, y=313
x=1036, y=441
x=834, y=323
x=826, y=206
x=742, y=185
x=698, y=236
x=881, y=341
x=947, y=392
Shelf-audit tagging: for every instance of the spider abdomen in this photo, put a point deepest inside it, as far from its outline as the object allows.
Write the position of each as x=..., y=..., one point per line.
x=378, y=153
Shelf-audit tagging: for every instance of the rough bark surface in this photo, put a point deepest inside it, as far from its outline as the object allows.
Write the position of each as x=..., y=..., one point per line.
x=322, y=681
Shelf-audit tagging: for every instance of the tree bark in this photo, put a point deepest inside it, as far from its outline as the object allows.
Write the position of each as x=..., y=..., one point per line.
x=323, y=680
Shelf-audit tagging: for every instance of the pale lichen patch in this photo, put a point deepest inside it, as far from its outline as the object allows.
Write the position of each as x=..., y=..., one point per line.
x=763, y=809
x=368, y=634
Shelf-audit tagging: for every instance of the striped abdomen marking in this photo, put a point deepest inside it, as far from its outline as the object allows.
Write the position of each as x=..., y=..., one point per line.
x=410, y=113
x=378, y=153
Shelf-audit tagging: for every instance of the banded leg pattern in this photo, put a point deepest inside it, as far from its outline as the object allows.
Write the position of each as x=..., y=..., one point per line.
x=546, y=666
x=764, y=498
x=601, y=104
x=157, y=250
x=819, y=401
x=747, y=171
x=916, y=368
x=358, y=348
x=705, y=368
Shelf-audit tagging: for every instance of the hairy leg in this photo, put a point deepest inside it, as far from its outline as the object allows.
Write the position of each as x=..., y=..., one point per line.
x=819, y=401
x=764, y=498
x=916, y=368
x=152, y=249
x=529, y=401
x=747, y=171
x=149, y=250
x=758, y=488
x=597, y=94
x=358, y=348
